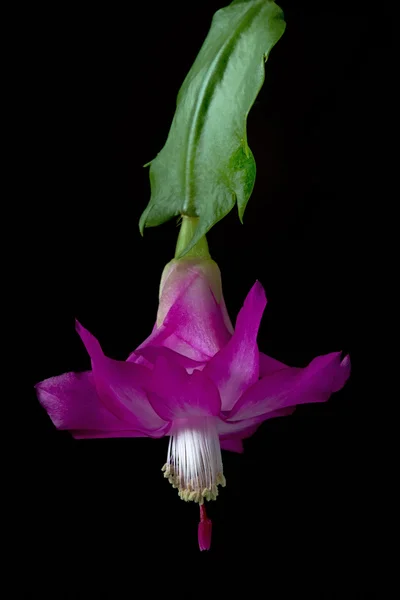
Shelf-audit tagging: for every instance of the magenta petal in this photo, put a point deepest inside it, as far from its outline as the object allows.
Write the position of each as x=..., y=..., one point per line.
x=342, y=374
x=246, y=427
x=236, y=366
x=72, y=402
x=227, y=428
x=176, y=394
x=151, y=353
x=196, y=323
x=85, y=434
x=156, y=339
x=269, y=365
x=289, y=387
x=232, y=444
x=191, y=321
x=120, y=387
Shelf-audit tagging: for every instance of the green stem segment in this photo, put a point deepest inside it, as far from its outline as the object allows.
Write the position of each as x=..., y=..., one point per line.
x=186, y=233
x=206, y=165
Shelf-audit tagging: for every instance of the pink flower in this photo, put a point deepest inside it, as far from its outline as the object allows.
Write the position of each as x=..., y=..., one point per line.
x=194, y=379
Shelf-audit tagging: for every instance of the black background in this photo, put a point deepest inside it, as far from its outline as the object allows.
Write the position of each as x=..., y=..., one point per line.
x=100, y=87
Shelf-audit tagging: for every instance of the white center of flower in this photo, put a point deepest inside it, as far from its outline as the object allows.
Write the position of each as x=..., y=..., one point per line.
x=194, y=462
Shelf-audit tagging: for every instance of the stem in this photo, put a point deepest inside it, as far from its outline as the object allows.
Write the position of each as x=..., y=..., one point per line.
x=186, y=233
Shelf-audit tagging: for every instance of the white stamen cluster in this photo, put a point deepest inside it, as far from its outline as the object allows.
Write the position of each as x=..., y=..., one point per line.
x=194, y=462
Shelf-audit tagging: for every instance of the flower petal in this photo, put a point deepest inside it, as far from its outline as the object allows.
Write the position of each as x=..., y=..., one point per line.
x=83, y=434
x=174, y=393
x=247, y=427
x=233, y=444
x=194, y=325
x=72, y=402
x=270, y=365
x=120, y=386
x=234, y=368
x=342, y=374
x=151, y=353
x=289, y=387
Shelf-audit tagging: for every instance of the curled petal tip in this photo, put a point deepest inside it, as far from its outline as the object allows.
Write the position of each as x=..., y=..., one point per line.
x=346, y=361
x=343, y=373
x=80, y=329
x=258, y=288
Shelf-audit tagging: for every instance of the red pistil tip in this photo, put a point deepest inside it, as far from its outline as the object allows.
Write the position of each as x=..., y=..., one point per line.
x=204, y=530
